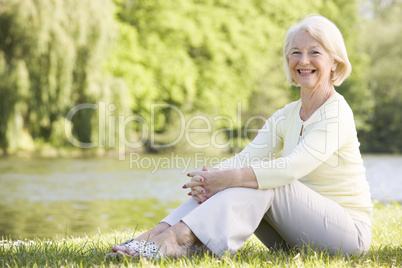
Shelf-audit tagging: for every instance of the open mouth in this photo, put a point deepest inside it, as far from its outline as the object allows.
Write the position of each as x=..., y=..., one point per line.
x=306, y=71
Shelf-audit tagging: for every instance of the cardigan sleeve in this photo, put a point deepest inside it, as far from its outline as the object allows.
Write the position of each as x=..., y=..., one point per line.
x=320, y=145
x=264, y=147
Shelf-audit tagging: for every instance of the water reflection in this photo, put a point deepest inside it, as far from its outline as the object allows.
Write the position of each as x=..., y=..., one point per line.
x=22, y=219
x=48, y=197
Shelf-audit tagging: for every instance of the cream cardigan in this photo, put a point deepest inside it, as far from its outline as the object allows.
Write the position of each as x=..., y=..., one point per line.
x=325, y=157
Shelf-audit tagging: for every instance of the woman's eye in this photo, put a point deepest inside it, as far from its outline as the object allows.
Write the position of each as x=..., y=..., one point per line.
x=295, y=52
x=315, y=52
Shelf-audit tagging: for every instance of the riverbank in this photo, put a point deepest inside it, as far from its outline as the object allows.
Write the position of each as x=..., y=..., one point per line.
x=41, y=197
x=90, y=250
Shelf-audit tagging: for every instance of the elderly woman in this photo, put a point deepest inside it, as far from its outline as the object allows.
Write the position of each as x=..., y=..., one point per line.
x=313, y=193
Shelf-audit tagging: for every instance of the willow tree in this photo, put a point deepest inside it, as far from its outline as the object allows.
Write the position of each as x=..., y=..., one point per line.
x=51, y=54
x=205, y=57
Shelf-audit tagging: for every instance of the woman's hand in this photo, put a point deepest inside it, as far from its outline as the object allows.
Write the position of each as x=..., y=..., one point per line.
x=197, y=192
x=206, y=183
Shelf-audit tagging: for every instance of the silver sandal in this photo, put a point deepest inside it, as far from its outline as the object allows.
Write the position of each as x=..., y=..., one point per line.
x=143, y=248
x=146, y=249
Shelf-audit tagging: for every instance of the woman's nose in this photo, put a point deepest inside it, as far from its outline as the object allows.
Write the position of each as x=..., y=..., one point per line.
x=304, y=59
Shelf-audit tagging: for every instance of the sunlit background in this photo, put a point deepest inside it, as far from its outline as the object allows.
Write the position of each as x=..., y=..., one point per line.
x=87, y=85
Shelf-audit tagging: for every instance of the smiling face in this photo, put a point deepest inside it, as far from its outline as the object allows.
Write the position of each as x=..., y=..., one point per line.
x=309, y=63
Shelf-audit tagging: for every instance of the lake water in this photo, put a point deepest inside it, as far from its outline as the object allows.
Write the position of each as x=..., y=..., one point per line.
x=62, y=197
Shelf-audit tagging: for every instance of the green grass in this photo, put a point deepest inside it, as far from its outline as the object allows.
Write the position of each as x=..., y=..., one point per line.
x=89, y=251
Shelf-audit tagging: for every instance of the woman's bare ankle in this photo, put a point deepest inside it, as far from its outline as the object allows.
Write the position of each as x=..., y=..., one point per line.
x=176, y=240
x=184, y=235
x=160, y=228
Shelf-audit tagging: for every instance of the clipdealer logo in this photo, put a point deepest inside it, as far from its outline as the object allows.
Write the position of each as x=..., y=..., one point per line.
x=112, y=128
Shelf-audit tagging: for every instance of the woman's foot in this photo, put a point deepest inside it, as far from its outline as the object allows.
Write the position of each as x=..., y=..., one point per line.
x=174, y=242
x=160, y=228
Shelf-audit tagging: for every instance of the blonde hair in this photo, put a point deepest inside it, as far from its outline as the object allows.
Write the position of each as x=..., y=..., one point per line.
x=328, y=35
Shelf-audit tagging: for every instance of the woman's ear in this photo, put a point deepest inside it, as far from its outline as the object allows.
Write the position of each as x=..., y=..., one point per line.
x=333, y=68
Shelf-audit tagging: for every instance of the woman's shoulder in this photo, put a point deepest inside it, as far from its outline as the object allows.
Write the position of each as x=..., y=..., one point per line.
x=284, y=116
x=337, y=109
x=337, y=106
x=290, y=108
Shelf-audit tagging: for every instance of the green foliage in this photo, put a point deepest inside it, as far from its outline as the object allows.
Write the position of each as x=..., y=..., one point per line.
x=382, y=43
x=206, y=57
x=50, y=57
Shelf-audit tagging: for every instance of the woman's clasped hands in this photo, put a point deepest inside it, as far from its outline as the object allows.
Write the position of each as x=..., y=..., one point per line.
x=205, y=184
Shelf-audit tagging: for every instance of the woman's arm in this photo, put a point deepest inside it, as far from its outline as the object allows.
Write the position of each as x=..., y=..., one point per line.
x=214, y=181
x=321, y=145
x=236, y=171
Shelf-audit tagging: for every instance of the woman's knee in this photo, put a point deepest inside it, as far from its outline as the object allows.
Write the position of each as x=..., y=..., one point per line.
x=244, y=192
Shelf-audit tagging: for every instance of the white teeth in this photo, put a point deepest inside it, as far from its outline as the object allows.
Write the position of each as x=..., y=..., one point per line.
x=306, y=71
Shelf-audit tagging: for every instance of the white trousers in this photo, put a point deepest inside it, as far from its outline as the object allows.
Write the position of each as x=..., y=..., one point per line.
x=293, y=215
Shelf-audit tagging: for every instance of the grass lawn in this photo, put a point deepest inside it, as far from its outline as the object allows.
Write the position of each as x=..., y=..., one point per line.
x=89, y=251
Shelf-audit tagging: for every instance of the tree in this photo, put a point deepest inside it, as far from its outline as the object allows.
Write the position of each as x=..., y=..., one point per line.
x=382, y=43
x=51, y=54
x=202, y=57
x=205, y=57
